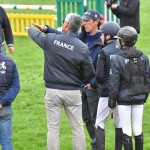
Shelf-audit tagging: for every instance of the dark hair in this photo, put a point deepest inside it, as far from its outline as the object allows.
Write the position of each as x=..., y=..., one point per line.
x=84, y=33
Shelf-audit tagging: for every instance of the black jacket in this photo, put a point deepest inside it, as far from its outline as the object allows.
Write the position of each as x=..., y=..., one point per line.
x=129, y=13
x=5, y=28
x=122, y=90
x=103, y=67
x=67, y=59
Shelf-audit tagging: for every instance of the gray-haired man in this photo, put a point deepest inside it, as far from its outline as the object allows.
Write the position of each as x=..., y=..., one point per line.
x=67, y=65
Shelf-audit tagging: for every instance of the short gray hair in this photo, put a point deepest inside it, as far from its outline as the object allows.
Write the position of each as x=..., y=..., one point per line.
x=75, y=21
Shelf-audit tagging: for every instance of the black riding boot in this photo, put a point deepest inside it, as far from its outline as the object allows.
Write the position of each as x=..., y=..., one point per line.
x=91, y=130
x=139, y=142
x=100, y=138
x=127, y=141
x=94, y=144
x=118, y=138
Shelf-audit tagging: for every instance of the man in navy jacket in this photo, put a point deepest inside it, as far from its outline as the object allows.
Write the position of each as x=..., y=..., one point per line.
x=9, y=88
x=90, y=35
x=67, y=64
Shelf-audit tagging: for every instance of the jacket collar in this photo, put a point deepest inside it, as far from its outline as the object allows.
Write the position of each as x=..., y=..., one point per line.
x=70, y=33
x=130, y=53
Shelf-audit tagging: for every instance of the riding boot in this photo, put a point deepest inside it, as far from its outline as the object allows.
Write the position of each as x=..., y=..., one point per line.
x=94, y=144
x=118, y=138
x=139, y=142
x=127, y=141
x=91, y=130
x=100, y=138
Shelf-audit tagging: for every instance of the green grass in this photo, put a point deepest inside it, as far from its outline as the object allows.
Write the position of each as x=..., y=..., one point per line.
x=29, y=120
x=29, y=2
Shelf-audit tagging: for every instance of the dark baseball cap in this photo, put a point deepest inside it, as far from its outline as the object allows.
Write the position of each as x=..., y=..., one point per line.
x=91, y=14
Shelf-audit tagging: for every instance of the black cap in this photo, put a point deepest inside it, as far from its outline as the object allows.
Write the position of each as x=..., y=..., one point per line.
x=110, y=28
x=91, y=14
x=128, y=34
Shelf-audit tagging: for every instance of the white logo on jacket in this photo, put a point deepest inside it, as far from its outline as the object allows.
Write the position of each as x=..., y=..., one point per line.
x=2, y=67
x=65, y=45
x=126, y=61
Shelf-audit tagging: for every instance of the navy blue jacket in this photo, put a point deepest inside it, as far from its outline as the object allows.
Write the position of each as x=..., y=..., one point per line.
x=94, y=44
x=51, y=30
x=67, y=59
x=121, y=89
x=9, y=80
x=103, y=67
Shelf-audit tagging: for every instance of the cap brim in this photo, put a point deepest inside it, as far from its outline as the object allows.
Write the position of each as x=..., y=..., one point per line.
x=86, y=17
x=116, y=37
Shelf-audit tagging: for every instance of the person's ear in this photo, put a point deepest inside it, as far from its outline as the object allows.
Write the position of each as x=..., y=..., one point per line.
x=65, y=25
x=108, y=36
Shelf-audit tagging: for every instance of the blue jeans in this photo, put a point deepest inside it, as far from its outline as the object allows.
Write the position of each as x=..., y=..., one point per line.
x=6, y=128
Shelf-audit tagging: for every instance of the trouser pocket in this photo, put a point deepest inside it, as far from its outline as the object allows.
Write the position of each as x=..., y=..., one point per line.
x=6, y=112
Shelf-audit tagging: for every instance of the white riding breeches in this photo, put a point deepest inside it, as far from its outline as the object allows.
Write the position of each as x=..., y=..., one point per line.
x=103, y=114
x=131, y=117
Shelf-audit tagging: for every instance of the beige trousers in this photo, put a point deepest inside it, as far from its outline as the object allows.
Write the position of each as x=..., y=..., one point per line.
x=70, y=100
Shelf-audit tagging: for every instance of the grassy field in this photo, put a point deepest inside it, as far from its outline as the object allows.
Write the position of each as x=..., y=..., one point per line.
x=29, y=121
x=29, y=2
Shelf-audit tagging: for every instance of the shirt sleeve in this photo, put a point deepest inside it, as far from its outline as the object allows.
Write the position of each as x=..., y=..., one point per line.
x=7, y=28
x=100, y=67
x=51, y=30
x=116, y=12
x=130, y=9
x=37, y=36
x=114, y=81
